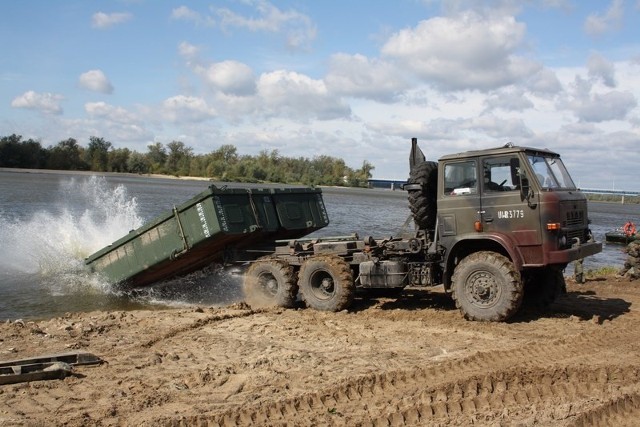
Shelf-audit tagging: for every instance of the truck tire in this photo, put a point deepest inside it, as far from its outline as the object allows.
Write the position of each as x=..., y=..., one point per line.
x=269, y=283
x=326, y=283
x=487, y=287
x=542, y=286
x=423, y=203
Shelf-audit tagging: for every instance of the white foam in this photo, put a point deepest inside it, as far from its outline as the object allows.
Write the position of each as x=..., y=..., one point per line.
x=52, y=244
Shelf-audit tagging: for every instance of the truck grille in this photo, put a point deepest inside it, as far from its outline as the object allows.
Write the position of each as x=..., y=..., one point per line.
x=574, y=219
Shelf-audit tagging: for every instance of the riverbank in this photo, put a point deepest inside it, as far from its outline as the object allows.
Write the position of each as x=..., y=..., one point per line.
x=410, y=361
x=93, y=173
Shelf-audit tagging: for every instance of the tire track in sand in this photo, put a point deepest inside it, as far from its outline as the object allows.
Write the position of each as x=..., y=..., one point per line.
x=374, y=394
x=621, y=411
x=487, y=397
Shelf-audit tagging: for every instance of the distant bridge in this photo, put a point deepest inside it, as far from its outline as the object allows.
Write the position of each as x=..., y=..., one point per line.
x=615, y=192
x=386, y=183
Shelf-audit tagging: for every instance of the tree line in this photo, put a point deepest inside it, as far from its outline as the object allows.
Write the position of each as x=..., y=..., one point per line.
x=175, y=158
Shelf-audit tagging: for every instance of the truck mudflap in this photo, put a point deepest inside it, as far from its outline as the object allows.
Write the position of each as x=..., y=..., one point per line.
x=212, y=227
x=574, y=253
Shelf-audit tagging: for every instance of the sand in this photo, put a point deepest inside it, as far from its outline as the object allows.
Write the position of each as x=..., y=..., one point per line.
x=411, y=360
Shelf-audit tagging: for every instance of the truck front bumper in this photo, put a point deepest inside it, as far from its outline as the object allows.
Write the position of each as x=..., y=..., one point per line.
x=576, y=252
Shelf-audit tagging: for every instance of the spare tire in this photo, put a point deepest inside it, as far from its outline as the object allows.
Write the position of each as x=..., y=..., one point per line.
x=423, y=202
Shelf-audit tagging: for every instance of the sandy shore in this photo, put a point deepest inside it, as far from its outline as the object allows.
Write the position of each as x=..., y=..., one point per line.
x=406, y=361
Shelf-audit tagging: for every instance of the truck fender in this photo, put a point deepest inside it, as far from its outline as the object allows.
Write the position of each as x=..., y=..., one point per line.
x=467, y=244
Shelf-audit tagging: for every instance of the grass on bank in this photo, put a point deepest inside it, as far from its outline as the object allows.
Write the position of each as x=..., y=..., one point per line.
x=613, y=198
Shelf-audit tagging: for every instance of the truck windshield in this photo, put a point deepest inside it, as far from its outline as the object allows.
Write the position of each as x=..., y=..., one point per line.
x=550, y=172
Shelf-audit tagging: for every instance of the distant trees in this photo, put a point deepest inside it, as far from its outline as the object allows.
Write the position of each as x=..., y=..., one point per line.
x=156, y=156
x=66, y=155
x=179, y=158
x=16, y=153
x=97, y=154
x=224, y=163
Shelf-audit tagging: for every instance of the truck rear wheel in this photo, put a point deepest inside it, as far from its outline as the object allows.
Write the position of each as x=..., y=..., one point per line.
x=542, y=286
x=270, y=283
x=487, y=287
x=326, y=283
x=423, y=202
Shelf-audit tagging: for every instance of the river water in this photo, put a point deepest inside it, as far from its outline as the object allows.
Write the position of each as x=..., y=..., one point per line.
x=49, y=222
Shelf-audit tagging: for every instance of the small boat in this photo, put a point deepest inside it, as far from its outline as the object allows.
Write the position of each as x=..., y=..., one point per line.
x=625, y=234
x=618, y=236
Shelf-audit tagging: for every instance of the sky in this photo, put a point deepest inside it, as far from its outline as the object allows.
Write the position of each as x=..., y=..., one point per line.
x=351, y=79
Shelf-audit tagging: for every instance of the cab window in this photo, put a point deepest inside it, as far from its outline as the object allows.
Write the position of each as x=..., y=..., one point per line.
x=460, y=178
x=500, y=174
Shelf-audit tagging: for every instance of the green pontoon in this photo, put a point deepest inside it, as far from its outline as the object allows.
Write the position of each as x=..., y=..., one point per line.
x=215, y=226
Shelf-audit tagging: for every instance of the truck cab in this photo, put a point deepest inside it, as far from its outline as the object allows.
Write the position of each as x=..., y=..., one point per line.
x=520, y=200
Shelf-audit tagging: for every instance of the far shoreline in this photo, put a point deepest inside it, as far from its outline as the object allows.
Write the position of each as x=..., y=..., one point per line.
x=335, y=188
x=96, y=173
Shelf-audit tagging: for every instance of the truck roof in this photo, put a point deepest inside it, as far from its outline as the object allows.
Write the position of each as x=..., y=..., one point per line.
x=505, y=149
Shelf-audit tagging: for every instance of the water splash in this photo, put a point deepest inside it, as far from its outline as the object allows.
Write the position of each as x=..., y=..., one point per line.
x=44, y=242
x=51, y=244
x=213, y=285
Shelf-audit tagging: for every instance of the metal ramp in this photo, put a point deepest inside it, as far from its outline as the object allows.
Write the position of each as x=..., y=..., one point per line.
x=57, y=366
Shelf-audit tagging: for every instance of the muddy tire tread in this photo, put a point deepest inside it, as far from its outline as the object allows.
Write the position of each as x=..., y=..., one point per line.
x=514, y=288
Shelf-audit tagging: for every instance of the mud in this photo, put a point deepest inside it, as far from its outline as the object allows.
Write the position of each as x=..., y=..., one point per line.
x=410, y=360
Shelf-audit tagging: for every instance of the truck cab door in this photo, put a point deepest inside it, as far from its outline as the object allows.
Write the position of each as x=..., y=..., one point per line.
x=458, y=199
x=506, y=206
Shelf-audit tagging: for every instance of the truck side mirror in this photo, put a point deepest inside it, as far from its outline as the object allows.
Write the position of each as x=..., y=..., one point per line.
x=521, y=180
x=519, y=177
x=526, y=192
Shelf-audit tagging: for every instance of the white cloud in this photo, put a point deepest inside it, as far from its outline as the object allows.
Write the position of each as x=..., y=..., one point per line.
x=590, y=106
x=118, y=123
x=614, y=105
x=499, y=128
x=298, y=96
x=96, y=81
x=103, y=20
x=543, y=82
x=298, y=28
x=188, y=50
x=509, y=100
x=467, y=51
x=458, y=134
x=184, y=13
x=44, y=102
x=597, y=24
x=231, y=77
x=600, y=68
x=181, y=108
x=103, y=110
x=359, y=76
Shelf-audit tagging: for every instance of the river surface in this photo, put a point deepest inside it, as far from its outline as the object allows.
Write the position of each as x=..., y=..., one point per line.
x=49, y=222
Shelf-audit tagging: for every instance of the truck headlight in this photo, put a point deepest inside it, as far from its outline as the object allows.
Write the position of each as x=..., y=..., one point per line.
x=562, y=241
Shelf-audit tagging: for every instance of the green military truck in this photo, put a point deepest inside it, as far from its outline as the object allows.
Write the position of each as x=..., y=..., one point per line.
x=496, y=227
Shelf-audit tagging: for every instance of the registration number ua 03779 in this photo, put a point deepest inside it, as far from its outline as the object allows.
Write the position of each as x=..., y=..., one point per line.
x=511, y=214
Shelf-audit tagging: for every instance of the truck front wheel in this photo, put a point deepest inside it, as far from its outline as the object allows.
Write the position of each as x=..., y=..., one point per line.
x=270, y=283
x=326, y=283
x=487, y=287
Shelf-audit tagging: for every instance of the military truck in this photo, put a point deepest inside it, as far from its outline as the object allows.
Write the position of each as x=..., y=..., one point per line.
x=495, y=227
